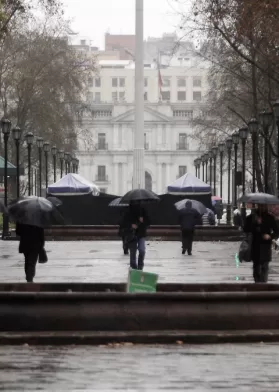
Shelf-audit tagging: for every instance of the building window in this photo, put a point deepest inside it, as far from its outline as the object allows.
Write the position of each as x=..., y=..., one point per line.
x=97, y=82
x=122, y=96
x=103, y=190
x=114, y=82
x=197, y=96
x=102, y=141
x=183, y=113
x=164, y=135
x=197, y=82
x=145, y=82
x=89, y=97
x=181, y=95
x=166, y=82
x=97, y=97
x=121, y=82
x=101, y=176
x=90, y=82
x=181, y=82
x=182, y=170
x=166, y=95
x=145, y=96
x=83, y=42
x=145, y=142
x=114, y=96
x=182, y=142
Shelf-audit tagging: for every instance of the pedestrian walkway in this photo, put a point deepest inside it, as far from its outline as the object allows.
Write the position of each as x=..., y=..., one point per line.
x=103, y=261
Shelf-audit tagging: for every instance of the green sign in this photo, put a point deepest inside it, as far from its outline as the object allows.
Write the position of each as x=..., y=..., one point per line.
x=141, y=282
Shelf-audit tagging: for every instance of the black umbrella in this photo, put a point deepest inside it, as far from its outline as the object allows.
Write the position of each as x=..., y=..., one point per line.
x=137, y=195
x=197, y=205
x=117, y=203
x=35, y=211
x=259, y=198
x=55, y=201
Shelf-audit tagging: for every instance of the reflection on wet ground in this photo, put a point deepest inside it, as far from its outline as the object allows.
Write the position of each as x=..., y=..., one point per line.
x=234, y=368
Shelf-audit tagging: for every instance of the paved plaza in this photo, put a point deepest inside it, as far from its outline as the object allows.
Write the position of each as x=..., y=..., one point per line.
x=103, y=261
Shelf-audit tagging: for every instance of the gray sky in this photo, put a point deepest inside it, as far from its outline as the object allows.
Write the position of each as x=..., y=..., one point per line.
x=93, y=18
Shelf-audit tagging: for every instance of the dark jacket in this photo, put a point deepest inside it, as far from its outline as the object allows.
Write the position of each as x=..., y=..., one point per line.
x=132, y=217
x=261, y=250
x=32, y=238
x=189, y=217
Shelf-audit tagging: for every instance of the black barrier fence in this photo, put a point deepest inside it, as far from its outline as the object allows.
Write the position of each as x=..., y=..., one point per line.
x=95, y=210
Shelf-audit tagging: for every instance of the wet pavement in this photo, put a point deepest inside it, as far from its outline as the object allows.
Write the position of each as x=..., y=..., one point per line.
x=234, y=368
x=103, y=261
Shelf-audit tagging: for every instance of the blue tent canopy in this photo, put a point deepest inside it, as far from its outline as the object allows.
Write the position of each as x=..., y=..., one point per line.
x=73, y=185
x=188, y=184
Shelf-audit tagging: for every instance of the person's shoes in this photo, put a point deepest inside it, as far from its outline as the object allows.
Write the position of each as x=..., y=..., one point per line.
x=183, y=251
x=189, y=253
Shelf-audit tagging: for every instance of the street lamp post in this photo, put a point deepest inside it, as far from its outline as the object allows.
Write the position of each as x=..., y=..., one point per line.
x=196, y=167
x=266, y=120
x=6, y=129
x=67, y=160
x=214, y=152
x=253, y=126
x=40, y=143
x=77, y=164
x=210, y=155
x=46, y=151
x=199, y=167
x=235, y=139
x=243, y=134
x=203, y=164
x=206, y=158
x=221, y=148
x=276, y=112
x=54, y=153
x=61, y=156
x=29, y=140
x=17, y=136
x=229, y=144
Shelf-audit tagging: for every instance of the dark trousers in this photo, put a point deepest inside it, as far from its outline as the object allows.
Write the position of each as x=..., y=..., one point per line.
x=31, y=259
x=260, y=272
x=187, y=240
x=139, y=245
x=125, y=245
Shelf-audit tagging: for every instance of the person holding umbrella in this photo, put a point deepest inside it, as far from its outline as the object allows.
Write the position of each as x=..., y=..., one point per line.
x=189, y=217
x=263, y=229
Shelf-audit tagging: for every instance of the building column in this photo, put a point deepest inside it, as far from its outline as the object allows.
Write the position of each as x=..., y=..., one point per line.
x=168, y=174
x=124, y=179
x=159, y=179
x=115, y=179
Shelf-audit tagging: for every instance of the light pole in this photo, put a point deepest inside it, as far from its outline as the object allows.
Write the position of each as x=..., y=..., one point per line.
x=77, y=165
x=243, y=134
x=54, y=153
x=203, y=164
x=253, y=126
x=199, y=167
x=61, y=156
x=46, y=151
x=196, y=168
x=206, y=158
x=16, y=132
x=210, y=155
x=221, y=148
x=229, y=144
x=214, y=152
x=6, y=129
x=29, y=140
x=67, y=157
x=235, y=139
x=40, y=143
x=266, y=120
x=276, y=112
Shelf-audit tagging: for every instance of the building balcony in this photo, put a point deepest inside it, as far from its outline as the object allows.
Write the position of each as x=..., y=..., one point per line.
x=102, y=146
x=182, y=146
x=101, y=178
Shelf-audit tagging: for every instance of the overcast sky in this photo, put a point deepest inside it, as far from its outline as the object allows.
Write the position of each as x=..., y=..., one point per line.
x=93, y=18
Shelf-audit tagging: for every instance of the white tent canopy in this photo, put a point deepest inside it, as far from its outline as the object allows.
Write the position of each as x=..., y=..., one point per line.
x=73, y=185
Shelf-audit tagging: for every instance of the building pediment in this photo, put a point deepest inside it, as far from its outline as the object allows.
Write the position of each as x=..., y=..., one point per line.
x=150, y=115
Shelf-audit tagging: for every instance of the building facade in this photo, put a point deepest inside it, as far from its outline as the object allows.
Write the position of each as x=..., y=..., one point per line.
x=172, y=96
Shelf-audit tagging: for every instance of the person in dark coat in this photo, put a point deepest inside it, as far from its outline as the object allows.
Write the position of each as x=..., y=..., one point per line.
x=263, y=228
x=32, y=241
x=188, y=219
x=121, y=233
x=135, y=223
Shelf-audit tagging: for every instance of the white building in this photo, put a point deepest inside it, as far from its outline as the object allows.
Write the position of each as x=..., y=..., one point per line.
x=106, y=154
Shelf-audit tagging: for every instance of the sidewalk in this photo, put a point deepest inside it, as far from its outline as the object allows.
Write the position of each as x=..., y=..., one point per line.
x=103, y=261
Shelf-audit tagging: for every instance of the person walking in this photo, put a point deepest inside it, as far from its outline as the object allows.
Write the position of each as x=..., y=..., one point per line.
x=188, y=219
x=263, y=228
x=136, y=222
x=31, y=244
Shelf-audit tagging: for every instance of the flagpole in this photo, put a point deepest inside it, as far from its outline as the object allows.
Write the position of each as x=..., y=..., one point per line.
x=138, y=170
